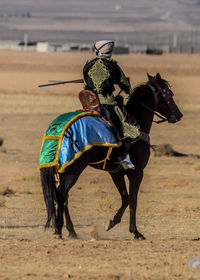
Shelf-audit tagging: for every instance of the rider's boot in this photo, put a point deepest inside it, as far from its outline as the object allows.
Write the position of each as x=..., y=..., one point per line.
x=126, y=163
x=122, y=157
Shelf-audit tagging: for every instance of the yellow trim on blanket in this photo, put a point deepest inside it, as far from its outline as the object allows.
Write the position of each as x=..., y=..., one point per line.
x=55, y=162
x=104, y=160
x=86, y=148
x=49, y=164
x=51, y=137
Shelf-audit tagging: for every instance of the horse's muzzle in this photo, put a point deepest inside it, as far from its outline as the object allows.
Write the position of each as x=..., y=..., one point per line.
x=174, y=119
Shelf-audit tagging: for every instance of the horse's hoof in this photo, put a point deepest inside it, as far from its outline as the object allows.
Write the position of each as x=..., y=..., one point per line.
x=138, y=235
x=108, y=225
x=73, y=235
x=58, y=236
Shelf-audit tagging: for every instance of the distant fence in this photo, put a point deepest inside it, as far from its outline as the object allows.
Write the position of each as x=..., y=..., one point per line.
x=50, y=47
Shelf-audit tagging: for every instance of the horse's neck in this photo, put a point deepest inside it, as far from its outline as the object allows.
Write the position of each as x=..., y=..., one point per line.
x=146, y=122
x=142, y=115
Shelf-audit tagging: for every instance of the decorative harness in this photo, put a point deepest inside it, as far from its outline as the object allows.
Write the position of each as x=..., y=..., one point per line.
x=166, y=94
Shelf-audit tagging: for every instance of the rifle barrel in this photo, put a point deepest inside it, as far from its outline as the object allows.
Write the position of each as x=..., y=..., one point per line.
x=61, y=83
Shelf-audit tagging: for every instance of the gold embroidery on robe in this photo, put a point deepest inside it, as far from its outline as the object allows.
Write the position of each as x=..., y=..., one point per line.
x=129, y=130
x=98, y=73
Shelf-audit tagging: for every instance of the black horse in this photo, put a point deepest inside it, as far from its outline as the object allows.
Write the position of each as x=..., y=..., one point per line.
x=145, y=100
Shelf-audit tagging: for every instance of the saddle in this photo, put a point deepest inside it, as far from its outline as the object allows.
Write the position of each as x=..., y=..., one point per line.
x=89, y=101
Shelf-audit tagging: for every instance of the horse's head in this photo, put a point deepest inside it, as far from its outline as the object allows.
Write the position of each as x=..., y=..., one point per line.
x=163, y=97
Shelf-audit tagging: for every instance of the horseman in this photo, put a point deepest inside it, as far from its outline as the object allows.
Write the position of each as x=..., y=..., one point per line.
x=100, y=75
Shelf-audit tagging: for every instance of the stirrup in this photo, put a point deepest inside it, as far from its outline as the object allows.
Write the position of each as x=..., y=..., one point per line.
x=126, y=165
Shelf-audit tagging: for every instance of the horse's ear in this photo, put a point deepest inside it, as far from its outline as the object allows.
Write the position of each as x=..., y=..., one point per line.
x=158, y=76
x=149, y=76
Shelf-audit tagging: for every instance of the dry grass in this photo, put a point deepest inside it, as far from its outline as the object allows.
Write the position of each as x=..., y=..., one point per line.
x=2, y=203
x=25, y=178
x=7, y=192
x=176, y=183
x=36, y=104
x=197, y=167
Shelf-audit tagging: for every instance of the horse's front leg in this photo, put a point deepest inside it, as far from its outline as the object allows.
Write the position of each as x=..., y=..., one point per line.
x=118, y=179
x=135, y=178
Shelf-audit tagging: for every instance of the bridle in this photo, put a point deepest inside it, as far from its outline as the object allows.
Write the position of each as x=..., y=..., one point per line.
x=167, y=96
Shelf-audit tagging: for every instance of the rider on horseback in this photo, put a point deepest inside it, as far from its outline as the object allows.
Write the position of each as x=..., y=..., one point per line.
x=100, y=75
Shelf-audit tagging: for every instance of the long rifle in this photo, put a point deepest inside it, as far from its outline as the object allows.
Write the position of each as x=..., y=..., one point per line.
x=53, y=83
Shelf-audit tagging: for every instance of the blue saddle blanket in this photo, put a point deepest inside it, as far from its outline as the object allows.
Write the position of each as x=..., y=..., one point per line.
x=82, y=135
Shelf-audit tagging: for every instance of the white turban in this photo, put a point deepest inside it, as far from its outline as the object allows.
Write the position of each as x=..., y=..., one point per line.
x=104, y=48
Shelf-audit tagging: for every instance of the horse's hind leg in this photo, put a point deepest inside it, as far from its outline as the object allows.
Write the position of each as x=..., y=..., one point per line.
x=68, y=180
x=118, y=179
x=59, y=220
x=69, y=224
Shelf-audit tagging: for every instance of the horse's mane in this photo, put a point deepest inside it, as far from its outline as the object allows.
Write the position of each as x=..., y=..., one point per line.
x=139, y=89
x=136, y=89
x=134, y=92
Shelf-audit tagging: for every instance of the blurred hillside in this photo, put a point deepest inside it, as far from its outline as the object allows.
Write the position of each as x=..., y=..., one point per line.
x=154, y=22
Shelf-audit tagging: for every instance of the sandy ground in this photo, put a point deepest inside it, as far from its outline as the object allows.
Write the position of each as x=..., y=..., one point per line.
x=168, y=206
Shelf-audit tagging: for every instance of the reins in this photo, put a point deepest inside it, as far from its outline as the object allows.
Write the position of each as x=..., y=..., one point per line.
x=153, y=112
x=155, y=94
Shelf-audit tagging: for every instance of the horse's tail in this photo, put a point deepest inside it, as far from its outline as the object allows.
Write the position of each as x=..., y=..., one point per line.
x=49, y=192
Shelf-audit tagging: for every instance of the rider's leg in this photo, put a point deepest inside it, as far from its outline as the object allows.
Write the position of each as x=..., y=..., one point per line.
x=121, y=128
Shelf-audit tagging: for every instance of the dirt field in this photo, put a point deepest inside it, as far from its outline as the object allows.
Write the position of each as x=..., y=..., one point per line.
x=169, y=198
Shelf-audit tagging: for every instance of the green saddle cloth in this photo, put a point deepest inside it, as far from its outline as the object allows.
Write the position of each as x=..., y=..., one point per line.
x=52, y=139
